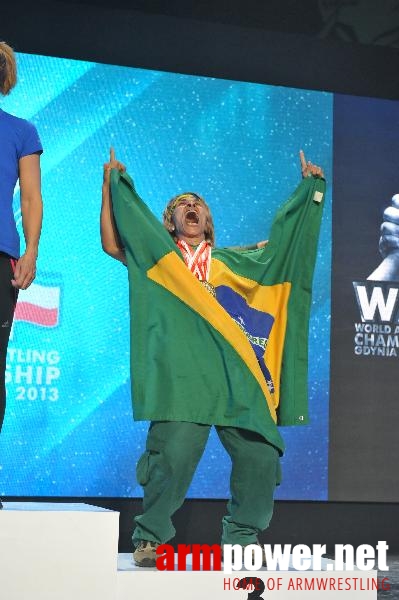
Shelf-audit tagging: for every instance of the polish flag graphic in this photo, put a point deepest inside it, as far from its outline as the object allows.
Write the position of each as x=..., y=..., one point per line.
x=39, y=304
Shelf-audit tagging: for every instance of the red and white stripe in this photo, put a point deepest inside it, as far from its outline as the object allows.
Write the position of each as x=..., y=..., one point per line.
x=38, y=304
x=197, y=260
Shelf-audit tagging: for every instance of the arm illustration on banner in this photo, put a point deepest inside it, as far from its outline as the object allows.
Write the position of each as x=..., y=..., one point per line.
x=388, y=270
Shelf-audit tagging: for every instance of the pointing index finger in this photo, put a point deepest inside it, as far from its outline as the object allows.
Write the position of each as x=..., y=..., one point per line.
x=111, y=154
x=302, y=159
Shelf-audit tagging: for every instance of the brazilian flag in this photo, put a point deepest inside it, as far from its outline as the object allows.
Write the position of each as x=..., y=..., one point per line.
x=238, y=359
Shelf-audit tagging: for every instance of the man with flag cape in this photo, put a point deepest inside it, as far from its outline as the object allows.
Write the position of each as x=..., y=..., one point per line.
x=219, y=337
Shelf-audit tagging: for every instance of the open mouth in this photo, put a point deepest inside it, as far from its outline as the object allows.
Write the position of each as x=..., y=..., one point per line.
x=191, y=217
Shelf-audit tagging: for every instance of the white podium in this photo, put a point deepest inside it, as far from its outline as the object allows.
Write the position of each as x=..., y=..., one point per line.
x=58, y=552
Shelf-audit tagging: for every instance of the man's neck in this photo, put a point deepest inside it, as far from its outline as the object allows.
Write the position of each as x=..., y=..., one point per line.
x=192, y=241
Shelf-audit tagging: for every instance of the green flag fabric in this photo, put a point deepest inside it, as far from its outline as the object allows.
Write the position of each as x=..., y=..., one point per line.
x=238, y=359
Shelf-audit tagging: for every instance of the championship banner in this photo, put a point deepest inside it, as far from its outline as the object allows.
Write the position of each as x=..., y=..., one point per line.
x=69, y=428
x=364, y=409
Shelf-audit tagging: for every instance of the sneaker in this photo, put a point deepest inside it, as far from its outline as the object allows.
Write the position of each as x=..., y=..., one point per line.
x=145, y=553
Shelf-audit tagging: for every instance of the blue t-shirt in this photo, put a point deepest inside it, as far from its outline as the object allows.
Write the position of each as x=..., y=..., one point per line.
x=18, y=138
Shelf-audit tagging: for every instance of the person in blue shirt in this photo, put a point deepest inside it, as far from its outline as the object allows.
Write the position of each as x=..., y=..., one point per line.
x=20, y=150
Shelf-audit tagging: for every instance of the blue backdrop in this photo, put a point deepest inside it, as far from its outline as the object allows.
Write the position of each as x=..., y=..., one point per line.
x=68, y=429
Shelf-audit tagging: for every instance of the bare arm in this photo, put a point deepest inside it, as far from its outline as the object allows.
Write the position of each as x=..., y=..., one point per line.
x=109, y=234
x=32, y=212
x=110, y=240
x=309, y=169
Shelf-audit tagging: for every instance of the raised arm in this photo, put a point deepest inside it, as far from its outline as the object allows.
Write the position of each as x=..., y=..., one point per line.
x=110, y=240
x=32, y=211
x=309, y=169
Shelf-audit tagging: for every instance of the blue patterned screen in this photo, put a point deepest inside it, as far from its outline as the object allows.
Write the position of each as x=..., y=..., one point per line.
x=68, y=429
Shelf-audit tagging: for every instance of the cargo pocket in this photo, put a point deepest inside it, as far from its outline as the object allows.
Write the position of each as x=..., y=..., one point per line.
x=143, y=468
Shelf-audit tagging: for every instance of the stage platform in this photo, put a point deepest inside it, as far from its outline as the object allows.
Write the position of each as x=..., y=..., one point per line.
x=54, y=551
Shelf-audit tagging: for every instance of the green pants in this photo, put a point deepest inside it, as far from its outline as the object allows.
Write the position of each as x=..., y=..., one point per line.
x=166, y=468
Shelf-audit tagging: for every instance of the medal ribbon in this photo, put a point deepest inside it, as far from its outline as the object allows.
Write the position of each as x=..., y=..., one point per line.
x=198, y=260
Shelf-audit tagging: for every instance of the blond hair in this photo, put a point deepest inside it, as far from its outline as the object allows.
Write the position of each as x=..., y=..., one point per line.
x=169, y=210
x=8, y=69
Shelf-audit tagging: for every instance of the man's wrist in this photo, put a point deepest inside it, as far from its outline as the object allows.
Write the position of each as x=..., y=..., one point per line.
x=31, y=251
